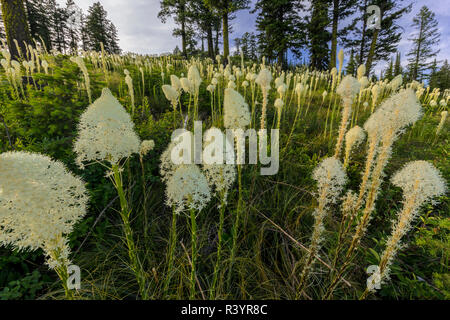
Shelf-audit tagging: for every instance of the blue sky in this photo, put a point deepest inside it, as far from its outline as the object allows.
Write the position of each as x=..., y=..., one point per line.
x=141, y=31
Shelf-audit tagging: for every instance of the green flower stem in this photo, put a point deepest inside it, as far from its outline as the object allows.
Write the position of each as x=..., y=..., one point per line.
x=219, y=249
x=125, y=215
x=170, y=255
x=194, y=252
x=61, y=271
x=236, y=225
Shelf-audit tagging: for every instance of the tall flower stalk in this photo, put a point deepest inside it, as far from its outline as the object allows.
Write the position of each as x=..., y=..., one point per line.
x=220, y=176
x=187, y=189
x=80, y=63
x=263, y=80
x=236, y=117
x=384, y=126
x=106, y=136
x=330, y=178
x=125, y=213
x=347, y=89
x=420, y=182
x=40, y=202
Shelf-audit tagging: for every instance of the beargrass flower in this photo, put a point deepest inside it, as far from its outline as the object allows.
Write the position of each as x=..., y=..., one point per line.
x=187, y=188
x=354, y=137
x=442, y=122
x=361, y=71
x=171, y=94
x=146, y=147
x=236, y=111
x=348, y=88
x=40, y=202
x=175, y=82
x=80, y=63
x=220, y=176
x=421, y=182
x=331, y=178
x=194, y=78
x=187, y=85
x=105, y=132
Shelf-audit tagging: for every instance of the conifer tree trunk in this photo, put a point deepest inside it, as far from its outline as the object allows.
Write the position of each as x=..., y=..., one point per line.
x=371, y=53
x=334, y=31
x=419, y=43
x=363, y=35
x=226, y=45
x=183, y=38
x=216, y=45
x=210, y=42
x=16, y=26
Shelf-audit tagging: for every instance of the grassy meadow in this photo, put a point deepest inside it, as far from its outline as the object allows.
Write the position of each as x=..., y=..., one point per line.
x=271, y=236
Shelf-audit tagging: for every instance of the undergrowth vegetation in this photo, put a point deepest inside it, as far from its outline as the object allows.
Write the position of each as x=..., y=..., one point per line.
x=341, y=201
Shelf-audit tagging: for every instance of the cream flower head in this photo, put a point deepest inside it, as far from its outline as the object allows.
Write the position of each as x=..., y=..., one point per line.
x=175, y=82
x=279, y=104
x=146, y=147
x=236, y=112
x=264, y=79
x=171, y=94
x=421, y=180
x=194, y=77
x=354, y=136
x=187, y=188
x=396, y=113
x=187, y=85
x=167, y=166
x=341, y=58
x=105, y=132
x=348, y=88
x=361, y=71
x=231, y=84
x=40, y=200
x=330, y=176
x=396, y=82
x=364, y=82
x=220, y=176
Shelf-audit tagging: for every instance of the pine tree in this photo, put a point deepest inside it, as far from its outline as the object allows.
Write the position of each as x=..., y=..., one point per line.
x=424, y=41
x=225, y=8
x=352, y=65
x=433, y=70
x=2, y=29
x=83, y=33
x=384, y=41
x=248, y=45
x=441, y=79
x=341, y=10
x=205, y=20
x=113, y=39
x=278, y=24
x=16, y=26
x=389, y=73
x=98, y=29
x=398, y=65
x=178, y=9
x=217, y=27
x=39, y=22
x=318, y=35
x=176, y=51
x=59, y=26
x=73, y=13
x=253, y=45
x=237, y=43
x=375, y=45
